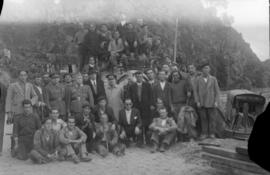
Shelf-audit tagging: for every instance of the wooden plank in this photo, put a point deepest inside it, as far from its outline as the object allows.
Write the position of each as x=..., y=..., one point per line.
x=242, y=150
x=233, y=164
x=209, y=144
x=225, y=153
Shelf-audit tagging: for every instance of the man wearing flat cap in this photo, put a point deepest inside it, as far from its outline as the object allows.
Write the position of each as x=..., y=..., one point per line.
x=114, y=94
x=206, y=95
x=55, y=95
x=96, y=85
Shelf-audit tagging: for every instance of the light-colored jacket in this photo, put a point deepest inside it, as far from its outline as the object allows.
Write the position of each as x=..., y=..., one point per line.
x=206, y=93
x=16, y=94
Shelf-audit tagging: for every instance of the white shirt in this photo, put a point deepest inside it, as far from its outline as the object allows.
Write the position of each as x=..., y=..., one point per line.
x=162, y=84
x=128, y=114
x=39, y=89
x=94, y=82
x=205, y=79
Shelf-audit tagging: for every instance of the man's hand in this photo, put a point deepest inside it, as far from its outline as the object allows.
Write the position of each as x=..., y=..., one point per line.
x=94, y=135
x=135, y=43
x=137, y=130
x=216, y=104
x=9, y=118
x=198, y=104
x=152, y=107
x=123, y=135
x=113, y=127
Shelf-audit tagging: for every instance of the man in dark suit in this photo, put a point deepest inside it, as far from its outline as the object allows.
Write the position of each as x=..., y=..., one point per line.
x=141, y=96
x=97, y=85
x=162, y=90
x=130, y=124
x=3, y=93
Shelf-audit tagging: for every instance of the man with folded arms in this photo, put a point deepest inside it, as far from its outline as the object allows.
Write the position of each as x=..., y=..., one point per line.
x=73, y=140
x=163, y=131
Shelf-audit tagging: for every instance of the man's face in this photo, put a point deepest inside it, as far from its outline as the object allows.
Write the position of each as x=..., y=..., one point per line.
x=92, y=60
x=139, y=77
x=175, y=76
x=85, y=77
x=206, y=70
x=55, y=80
x=191, y=69
x=92, y=27
x=93, y=76
x=46, y=78
x=104, y=118
x=130, y=26
x=27, y=108
x=23, y=76
x=162, y=76
x=102, y=103
x=48, y=124
x=104, y=28
x=150, y=74
x=163, y=113
x=79, y=79
x=86, y=110
x=174, y=68
x=166, y=68
x=116, y=35
x=111, y=81
x=71, y=123
x=54, y=114
x=68, y=78
x=128, y=104
x=38, y=81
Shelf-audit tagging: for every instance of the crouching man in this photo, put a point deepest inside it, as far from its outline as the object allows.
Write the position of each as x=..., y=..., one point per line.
x=163, y=131
x=107, y=138
x=73, y=143
x=45, y=144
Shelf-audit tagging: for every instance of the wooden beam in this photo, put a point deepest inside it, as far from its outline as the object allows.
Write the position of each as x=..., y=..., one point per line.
x=225, y=153
x=242, y=150
x=231, y=164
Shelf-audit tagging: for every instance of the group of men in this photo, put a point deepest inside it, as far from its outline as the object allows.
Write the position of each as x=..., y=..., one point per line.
x=66, y=119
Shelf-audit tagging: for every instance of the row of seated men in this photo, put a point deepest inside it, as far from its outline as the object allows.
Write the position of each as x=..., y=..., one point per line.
x=85, y=133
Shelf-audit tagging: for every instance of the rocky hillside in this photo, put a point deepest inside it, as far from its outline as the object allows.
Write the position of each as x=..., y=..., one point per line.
x=202, y=36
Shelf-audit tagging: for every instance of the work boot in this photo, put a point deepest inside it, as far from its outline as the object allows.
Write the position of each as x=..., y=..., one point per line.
x=203, y=137
x=75, y=159
x=154, y=148
x=162, y=148
x=212, y=136
x=85, y=158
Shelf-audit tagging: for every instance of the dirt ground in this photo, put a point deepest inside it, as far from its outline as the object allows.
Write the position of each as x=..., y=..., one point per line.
x=182, y=159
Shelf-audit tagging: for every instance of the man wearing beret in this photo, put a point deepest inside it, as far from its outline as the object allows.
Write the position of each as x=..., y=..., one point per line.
x=206, y=95
x=55, y=95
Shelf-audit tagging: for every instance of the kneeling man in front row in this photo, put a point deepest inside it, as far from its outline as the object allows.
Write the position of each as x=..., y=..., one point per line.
x=73, y=143
x=163, y=131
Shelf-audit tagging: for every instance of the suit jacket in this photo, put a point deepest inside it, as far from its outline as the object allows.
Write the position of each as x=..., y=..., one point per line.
x=207, y=93
x=165, y=94
x=100, y=89
x=146, y=96
x=135, y=119
x=3, y=94
x=16, y=94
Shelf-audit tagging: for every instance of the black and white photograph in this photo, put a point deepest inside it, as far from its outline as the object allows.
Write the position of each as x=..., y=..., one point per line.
x=134, y=87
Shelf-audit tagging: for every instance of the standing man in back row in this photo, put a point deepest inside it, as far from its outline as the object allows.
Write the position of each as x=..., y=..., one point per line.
x=207, y=97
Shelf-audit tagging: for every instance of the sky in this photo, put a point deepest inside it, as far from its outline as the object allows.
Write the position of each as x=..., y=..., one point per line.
x=251, y=17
